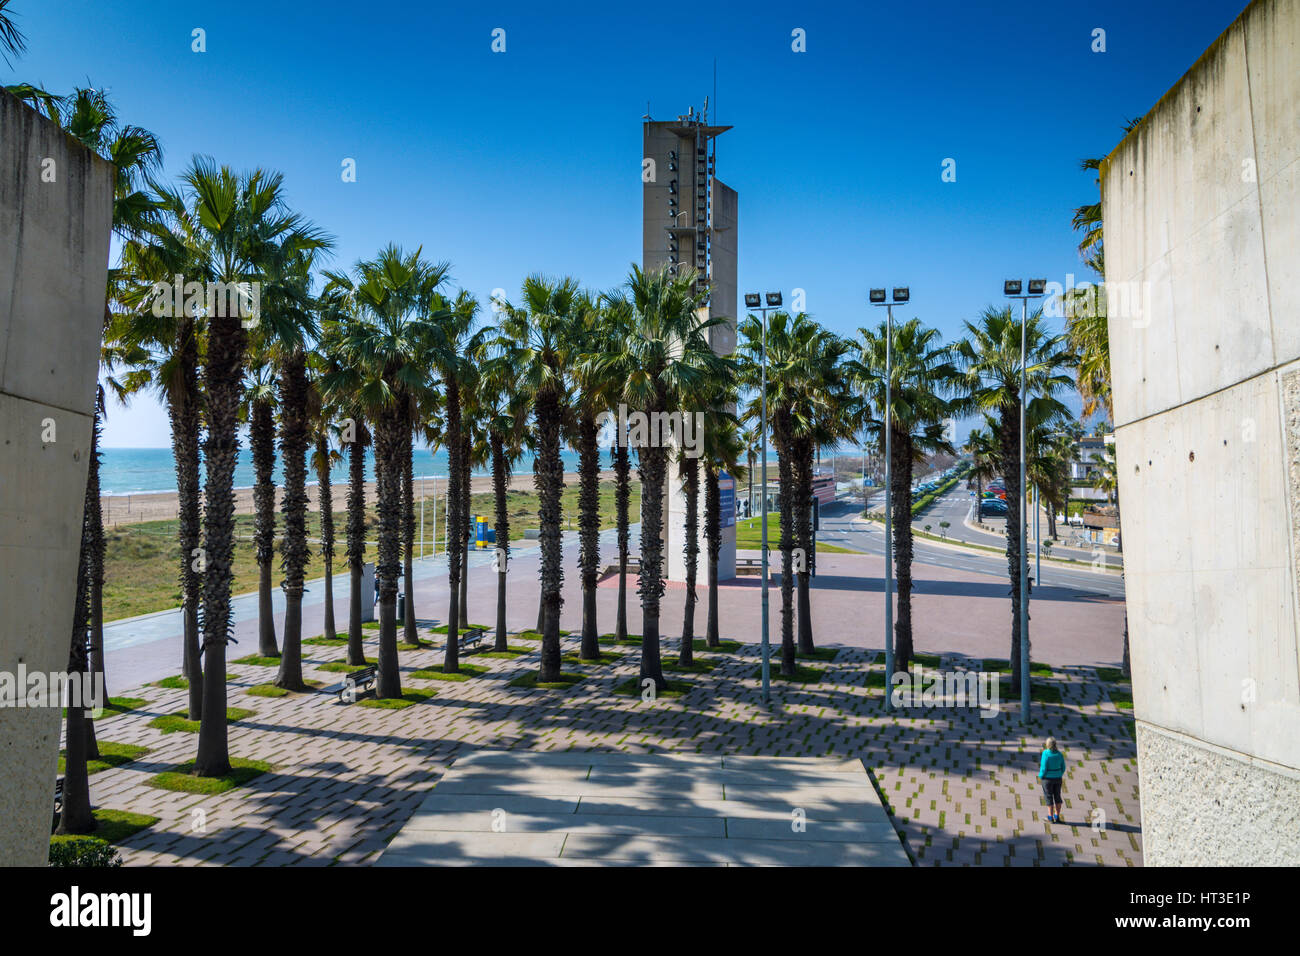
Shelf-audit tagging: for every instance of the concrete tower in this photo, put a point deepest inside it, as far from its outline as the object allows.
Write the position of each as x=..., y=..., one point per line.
x=689, y=219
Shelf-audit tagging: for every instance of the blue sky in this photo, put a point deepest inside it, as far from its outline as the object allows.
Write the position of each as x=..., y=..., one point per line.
x=529, y=160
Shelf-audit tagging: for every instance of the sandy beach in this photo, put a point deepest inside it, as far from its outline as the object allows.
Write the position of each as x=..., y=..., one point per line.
x=163, y=506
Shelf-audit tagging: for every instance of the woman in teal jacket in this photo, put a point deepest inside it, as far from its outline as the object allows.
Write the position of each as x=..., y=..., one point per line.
x=1051, y=770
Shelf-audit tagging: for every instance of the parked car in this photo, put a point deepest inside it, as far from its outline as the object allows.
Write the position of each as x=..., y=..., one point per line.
x=994, y=506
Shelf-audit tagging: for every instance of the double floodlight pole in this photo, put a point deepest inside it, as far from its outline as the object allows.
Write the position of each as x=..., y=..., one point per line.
x=1011, y=288
x=753, y=302
x=877, y=298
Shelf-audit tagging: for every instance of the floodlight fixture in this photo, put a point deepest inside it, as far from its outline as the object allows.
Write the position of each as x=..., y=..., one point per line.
x=753, y=300
x=877, y=296
x=1037, y=286
x=1011, y=287
x=900, y=294
x=773, y=299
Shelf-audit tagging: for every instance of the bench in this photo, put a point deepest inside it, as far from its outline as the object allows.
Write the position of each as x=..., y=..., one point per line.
x=357, y=684
x=58, y=803
x=472, y=636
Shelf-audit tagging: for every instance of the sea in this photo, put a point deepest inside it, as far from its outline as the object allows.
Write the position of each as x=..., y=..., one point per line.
x=136, y=471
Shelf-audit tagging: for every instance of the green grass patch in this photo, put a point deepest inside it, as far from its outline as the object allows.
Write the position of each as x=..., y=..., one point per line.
x=724, y=647
x=183, y=779
x=749, y=537
x=114, y=826
x=179, y=682
x=632, y=640
x=270, y=690
x=1039, y=692
x=323, y=641
x=802, y=675
x=926, y=660
x=632, y=688
x=110, y=755
x=606, y=657
x=696, y=666
x=510, y=653
x=1036, y=669
x=820, y=654
x=530, y=681
x=1121, y=697
x=257, y=661
x=490, y=629
x=115, y=706
x=436, y=672
x=171, y=723
x=408, y=699
x=1111, y=675
x=532, y=635
x=343, y=667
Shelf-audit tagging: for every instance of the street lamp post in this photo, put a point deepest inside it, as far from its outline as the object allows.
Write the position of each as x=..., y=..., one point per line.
x=877, y=298
x=752, y=301
x=1011, y=289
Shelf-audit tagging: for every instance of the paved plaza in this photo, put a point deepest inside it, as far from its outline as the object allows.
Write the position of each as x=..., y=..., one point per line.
x=579, y=808
x=959, y=788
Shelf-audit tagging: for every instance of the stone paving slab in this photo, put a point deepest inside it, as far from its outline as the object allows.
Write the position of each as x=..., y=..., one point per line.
x=615, y=817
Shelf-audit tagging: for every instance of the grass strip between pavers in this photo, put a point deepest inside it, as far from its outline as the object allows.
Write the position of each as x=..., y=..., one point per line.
x=110, y=755
x=633, y=688
x=529, y=680
x=183, y=779
x=171, y=723
x=409, y=698
x=114, y=827
x=436, y=672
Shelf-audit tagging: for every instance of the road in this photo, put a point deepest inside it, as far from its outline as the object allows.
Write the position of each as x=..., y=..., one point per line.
x=842, y=524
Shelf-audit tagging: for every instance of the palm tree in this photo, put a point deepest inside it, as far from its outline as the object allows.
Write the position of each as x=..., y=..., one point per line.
x=88, y=117
x=669, y=355
x=991, y=356
x=800, y=359
x=393, y=291
x=982, y=446
x=340, y=386
x=594, y=335
x=11, y=38
x=453, y=348
x=243, y=229
x=77, y=816
x=259, y=411
x=291, y=301
x=922, y=382
x=505, y=417
x=618, y=325
x=724, y=444
x=323, y=459
x=536, y=340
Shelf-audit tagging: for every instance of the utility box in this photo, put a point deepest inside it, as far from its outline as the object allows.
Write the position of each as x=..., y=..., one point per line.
x=368, y=587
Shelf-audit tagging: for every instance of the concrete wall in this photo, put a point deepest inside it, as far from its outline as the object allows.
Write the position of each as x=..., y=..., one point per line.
x=54, y=241
x=1200, y=204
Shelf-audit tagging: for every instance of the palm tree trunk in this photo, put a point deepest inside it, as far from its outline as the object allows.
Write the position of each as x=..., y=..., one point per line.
x=293, y=546
x=650, y=585
x=622, y=494
x=901, y=472
x=261, y=435
x=223, y=375
x=455, y=554
x=803, y=510
x=411, y=634
x=356, y=551
x=785, y=469
x=589, y=531
x=1009, y=440
x=464, y=531
x=183, y=410
x=549, y=481
x=388, y=465
x=95, y=570
x=691, y=549
x=326, y=501
x=77, y=816
x=713, y=541
x=500, y=482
